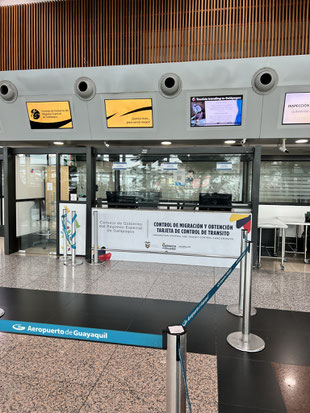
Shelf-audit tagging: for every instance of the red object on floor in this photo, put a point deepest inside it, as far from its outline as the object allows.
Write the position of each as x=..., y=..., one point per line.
x=105, y=257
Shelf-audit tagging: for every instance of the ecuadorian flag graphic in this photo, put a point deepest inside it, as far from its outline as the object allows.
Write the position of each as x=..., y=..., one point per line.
x=242, y=221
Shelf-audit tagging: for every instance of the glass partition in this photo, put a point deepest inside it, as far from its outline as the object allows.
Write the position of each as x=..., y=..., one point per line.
x=172, y=177
x=285, y=182
x=73, y=178
x=36, y=202
x=1, y=194
x=104, y=175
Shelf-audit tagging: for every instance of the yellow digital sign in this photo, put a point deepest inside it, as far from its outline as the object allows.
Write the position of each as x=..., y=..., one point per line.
x=129, y=113
x=49, y=115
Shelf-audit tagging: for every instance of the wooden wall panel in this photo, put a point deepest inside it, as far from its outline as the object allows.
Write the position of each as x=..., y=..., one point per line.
x=85, y=33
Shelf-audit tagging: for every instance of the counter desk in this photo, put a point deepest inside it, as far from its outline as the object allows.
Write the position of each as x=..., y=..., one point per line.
x=171, y=236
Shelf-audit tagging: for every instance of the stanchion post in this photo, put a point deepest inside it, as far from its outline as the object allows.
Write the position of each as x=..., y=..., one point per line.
x=64, y=220
x=94, y=260
x=65, y=238
x=247, y=297
x=244, y=340
x=237, y=309
x=73, y=237
x=95, y=216
x=175, y=386
x=73, y=261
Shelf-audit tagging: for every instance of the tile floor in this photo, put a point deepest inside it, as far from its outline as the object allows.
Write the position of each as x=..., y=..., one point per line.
x=272, y=288
x=91, y=377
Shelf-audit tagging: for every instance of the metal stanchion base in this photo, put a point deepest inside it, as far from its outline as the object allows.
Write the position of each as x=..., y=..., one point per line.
x=1, y=312
x=235, y=310
x=92, y=262
x=71, y=264
x=253, y=345
x=63, y=258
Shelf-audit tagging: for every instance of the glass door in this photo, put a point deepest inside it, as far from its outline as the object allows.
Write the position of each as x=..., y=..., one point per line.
x=36, y=203
x=1, y=201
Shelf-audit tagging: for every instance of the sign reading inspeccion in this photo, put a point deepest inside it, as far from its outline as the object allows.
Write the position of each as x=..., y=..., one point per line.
x=49, y=115
x=129, y=113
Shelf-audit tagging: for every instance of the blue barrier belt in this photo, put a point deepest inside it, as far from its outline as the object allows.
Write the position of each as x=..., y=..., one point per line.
x=83, y=333
x=73, y=235
x=185, y=379
x=213, y=290
x=65, y=229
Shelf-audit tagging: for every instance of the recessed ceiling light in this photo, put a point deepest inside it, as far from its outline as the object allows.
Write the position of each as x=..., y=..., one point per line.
x=166, y=143
x=229, y=142
x=301, y=141
x=58, y=143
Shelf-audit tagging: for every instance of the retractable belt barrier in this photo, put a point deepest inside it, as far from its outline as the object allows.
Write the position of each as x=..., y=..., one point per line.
x=173, y=339
x=82, y=333
x=188, y=319
x=177, y=389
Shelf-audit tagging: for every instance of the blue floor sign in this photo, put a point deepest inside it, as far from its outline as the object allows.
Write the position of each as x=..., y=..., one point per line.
x=82, y=333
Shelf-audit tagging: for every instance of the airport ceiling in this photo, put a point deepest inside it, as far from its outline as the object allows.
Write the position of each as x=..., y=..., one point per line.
x=269, y=146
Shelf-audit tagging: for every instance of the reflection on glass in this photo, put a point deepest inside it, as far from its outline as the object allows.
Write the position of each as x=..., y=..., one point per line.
x=104, y=176
x=285, y=182
x=36, y=202
x=73, y=177
x=174, y=177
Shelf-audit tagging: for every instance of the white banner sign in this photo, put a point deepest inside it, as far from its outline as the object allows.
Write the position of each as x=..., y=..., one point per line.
x=165, y=232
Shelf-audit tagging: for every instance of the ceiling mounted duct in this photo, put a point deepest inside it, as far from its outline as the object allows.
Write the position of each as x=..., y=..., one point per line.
x=264, y=81
x=8, y=91
x=85, y=88
x=170, y=85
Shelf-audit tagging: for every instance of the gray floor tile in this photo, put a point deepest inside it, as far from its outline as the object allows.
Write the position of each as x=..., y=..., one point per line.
x=134, y=381
x=138, y=266
x=271, y=287
x=188, y=270
x=76, y=362
x=65, y=284
x=24, y=395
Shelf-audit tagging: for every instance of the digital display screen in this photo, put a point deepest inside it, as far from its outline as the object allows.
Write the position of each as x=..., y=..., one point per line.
x=296, y=109
x=129, y=113
x=216, y=111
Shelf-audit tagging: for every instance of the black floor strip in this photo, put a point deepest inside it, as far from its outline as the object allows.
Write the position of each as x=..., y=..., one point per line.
x=247, y=382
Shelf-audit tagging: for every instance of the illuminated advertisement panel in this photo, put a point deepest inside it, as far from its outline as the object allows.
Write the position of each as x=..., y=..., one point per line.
x=296, y=109
x=129, y=113
x=216, y=111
